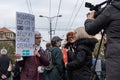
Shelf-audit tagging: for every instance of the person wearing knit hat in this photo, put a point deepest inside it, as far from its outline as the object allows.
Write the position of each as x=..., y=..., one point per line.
x=3, y=51
x=5, y=65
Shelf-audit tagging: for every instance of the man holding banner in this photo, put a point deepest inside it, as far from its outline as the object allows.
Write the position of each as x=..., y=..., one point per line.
x=28, y=48
x=32, y=66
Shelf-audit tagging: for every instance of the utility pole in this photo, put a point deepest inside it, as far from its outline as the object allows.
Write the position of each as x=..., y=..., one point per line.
x=50, y=29
x=50, y=22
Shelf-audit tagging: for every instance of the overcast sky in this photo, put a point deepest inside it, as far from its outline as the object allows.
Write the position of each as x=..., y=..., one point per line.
x=8, y=9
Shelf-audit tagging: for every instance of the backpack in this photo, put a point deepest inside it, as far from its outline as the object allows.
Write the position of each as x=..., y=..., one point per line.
x=49, y=56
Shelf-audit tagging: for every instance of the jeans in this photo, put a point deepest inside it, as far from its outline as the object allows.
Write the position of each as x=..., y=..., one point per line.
x=100, y=75
x=6, y=79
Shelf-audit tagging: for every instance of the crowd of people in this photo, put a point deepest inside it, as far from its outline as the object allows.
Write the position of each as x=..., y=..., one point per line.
x=74, y=60
x=49, y=64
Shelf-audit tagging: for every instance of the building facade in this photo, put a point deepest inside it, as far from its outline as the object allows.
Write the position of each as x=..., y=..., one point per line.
x=7, y=36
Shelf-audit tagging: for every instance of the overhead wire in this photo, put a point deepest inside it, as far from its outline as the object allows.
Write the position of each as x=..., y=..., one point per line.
x=68, y=24
x=72, y=14
x=50, y=8
x=77, y=13
x=29, y=6
x=58, y=14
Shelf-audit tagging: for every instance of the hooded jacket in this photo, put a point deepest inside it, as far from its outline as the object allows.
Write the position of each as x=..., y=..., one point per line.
x=109, y=20
x=80, y=66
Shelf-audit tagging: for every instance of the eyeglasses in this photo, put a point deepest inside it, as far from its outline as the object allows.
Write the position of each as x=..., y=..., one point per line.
x=38, y=37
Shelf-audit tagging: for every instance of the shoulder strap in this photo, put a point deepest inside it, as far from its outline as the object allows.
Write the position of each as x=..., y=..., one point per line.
x=51, y=50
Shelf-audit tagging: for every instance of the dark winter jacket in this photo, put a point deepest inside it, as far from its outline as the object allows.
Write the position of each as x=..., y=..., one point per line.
x=80, y=66
x=109, y=20
x=70, y=47
x=30, y=64
x=4, y=64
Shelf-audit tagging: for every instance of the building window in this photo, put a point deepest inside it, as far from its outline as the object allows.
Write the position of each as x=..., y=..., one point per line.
x=1, y=36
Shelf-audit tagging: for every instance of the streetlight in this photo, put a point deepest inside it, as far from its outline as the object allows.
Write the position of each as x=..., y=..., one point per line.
x=50, y=20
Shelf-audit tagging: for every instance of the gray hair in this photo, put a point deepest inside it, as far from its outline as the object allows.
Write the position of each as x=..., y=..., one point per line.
x=81, y=33
x=37, y=33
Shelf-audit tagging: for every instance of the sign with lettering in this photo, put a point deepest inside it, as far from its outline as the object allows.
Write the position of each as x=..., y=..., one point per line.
x=25, y=33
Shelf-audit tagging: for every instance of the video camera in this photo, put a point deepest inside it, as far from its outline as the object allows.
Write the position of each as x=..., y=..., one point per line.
x=98, y=9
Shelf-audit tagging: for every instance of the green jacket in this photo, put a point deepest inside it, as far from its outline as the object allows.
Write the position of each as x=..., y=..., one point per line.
x=56, y=72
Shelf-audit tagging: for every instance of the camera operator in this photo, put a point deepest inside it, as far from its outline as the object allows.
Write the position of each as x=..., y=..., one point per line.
x=109, y=20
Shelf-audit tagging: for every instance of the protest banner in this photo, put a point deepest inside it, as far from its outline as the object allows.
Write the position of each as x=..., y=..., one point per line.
x=25, y=34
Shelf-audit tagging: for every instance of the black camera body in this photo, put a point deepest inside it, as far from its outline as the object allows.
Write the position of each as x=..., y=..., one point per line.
x=98, y=9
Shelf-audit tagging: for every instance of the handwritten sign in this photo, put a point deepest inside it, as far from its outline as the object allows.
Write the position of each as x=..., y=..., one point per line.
x=25, y=34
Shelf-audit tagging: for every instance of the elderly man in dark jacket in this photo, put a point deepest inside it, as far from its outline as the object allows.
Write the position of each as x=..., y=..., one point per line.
x=30, y=64
x=109, y=20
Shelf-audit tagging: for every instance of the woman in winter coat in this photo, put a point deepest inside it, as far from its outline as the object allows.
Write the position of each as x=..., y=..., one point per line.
x=109, y=20
x=81, y=63
x=70, y=47
x=70, y=44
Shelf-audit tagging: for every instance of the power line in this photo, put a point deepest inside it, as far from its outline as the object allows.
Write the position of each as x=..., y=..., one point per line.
x=57, y=14
x=76, y=13
x=28, y=6
x=72, y=14
x=50, y=8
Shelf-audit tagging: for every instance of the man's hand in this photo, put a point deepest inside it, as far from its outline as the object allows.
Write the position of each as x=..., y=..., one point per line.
x=91, y=15
x=3, y=76
x=36, y=53
x=17, y=55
